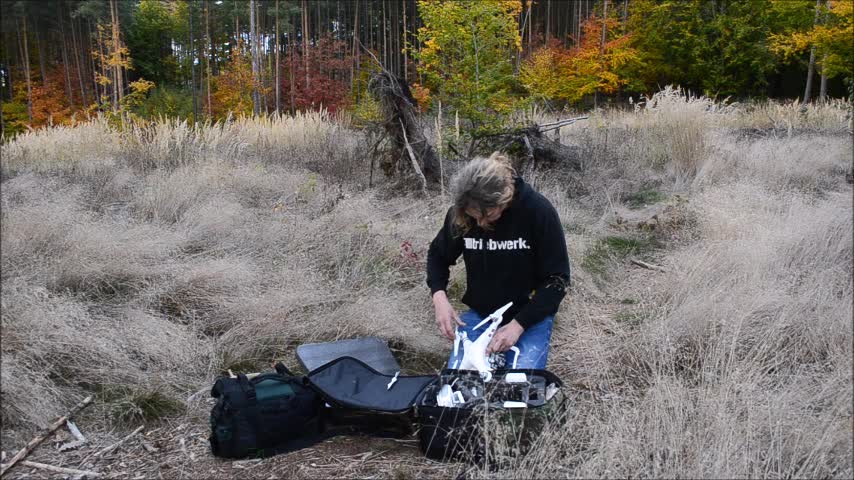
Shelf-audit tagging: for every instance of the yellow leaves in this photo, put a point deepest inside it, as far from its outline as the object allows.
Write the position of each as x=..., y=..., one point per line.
x=831, y=39
x=102, y=80
x=232, y=88
x=431, y=44
x=467, y=53
x=141, y=86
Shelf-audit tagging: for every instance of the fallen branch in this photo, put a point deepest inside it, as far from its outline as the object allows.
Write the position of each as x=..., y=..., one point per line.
x=529, y=148
x=66, y=471
x=562, y=123
x=414, y=161
x=648, y=266
x=117, y=444
x=40, y=438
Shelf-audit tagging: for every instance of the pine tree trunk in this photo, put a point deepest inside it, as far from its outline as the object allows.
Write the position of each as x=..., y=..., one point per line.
x=64, y=47
x=100, y=93
x=236, y=26
x=291, y=62
x=42, y=55
x=530, y=33
x=191, y=54
x=278, y=79
x=405, y=47
x=822, y=92
x=77, y=63
x=25, y=55
x=210, y=48
x=263, y=71
x=118, y=85
x=10, y=61
x=625, y=15
x=385, y=39
x=256, y=97
x=602, y=48
x=305, y=43
x=548, y=21
x=354, y=70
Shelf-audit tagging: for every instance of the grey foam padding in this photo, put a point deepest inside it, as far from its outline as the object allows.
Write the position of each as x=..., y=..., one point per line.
x=371, y=350
x=354, y=384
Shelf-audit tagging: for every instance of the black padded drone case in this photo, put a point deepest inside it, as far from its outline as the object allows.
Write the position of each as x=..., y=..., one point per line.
x=457, y=433
x=358, y=400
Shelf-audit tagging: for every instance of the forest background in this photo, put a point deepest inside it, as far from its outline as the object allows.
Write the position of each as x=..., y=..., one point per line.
x=63, y=60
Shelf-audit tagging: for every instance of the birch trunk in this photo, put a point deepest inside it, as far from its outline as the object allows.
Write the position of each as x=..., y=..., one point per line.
x=811, y=66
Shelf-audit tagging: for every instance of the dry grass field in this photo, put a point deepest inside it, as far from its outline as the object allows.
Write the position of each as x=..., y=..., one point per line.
x=138, y=264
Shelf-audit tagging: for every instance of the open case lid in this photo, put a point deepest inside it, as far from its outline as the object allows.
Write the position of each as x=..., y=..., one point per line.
x=352, y=383
x=372, y=350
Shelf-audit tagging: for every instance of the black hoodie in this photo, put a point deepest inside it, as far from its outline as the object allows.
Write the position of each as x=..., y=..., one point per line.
x=523, y=259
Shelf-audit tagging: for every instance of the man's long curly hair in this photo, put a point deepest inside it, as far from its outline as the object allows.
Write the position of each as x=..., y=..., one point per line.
x=482, y=184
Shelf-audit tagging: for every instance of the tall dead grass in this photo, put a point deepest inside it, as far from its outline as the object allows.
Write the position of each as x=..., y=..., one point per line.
x=140, y=267
x=737, y=362
x=232, y=242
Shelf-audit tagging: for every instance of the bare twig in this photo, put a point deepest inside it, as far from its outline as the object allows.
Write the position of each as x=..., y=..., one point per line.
x=197, y=393
x=648, y=266
x=561, y=123
x=373, y=154
x=117, y=444
x=66, y=471
x=529, y=147
x=71, y=445
x=40, y=438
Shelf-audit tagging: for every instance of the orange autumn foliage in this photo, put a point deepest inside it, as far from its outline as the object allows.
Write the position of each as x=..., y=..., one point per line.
x=50, y=104
x=558, y=73
x=421, y=94
x=232, y=88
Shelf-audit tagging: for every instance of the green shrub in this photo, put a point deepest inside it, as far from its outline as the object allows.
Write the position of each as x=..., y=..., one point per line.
x=15, y=119
x=167, y=102
x=644, y=197
x=618, y=248
x=134, y=405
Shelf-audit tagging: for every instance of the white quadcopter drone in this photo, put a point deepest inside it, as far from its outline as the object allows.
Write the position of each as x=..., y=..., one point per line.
x=474, y=353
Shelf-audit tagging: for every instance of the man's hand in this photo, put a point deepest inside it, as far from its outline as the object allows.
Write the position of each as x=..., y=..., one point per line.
x=505, y=337
x=446, y=317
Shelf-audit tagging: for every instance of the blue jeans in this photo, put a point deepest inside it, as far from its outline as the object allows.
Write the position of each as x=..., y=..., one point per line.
x=533, y=344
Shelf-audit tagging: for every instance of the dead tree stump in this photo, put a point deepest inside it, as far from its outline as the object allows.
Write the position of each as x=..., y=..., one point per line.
x=530, y=146
x=401, y=125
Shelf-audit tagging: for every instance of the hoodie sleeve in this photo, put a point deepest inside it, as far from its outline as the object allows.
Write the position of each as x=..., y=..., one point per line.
x=552, y=269
x=444, y=251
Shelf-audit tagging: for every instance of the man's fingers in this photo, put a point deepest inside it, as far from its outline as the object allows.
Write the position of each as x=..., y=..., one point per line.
x=443, y=329
x=457, y=319
x=492, y=346
x=497, y=343
x=449, y=332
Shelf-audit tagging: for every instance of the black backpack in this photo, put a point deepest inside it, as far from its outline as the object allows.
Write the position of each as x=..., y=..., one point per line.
x=265, y=415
